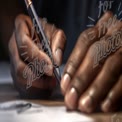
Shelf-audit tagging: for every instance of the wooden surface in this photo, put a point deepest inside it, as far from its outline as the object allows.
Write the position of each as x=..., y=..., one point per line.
x=8, y=93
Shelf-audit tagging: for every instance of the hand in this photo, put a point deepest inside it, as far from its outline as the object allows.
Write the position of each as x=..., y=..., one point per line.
x=24, y=49
x=87, y=86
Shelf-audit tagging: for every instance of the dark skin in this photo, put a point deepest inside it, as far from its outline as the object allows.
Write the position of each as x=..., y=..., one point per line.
x=22, y=36
x=86, y=88
x=80, y=82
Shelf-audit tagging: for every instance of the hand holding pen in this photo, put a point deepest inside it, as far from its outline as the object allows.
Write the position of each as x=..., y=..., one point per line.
x=43, y=38
x=24, y=50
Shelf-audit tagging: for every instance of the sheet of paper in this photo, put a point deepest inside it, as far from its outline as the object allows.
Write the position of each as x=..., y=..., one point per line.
x=38, y=113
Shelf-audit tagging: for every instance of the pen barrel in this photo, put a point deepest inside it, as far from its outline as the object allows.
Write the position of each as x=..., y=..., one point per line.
x=40, y=32
x=42, y=37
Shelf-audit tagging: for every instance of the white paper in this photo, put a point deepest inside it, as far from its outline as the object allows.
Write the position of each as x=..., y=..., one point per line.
x=40, y=113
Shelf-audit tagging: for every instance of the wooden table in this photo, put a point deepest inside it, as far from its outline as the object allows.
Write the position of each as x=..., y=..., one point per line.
x=7, y=93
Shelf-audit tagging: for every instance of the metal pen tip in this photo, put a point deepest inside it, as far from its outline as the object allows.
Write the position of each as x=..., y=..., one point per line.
x=57, y=74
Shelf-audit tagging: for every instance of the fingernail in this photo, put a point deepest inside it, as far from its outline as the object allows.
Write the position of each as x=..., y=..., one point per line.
x=58, y=55
x=106, y=105
x=85, y=104
x=71, y=99
x=65, y=83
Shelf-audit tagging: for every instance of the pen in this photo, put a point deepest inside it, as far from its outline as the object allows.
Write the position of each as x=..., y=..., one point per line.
x=42, y=37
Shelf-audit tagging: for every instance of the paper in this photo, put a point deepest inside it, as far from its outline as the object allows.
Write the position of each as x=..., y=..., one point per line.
x=12, y=112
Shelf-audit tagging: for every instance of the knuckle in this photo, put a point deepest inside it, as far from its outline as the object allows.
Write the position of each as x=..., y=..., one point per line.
x=61, y=33
x=105, y=18
x=18, y=19
x=24, y=39
x=20, y=16
x=108, y=14
x=70, y=68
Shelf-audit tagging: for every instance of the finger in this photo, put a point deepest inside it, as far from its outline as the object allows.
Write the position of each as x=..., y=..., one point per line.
x=27, y=25
x=30, y=30
x=81, y=80
x=105, y=18
x=58, y=46
x=115, y=28
x=76, y=57
x=102, y=84
x=110, y=26
x=86, y=39
x=114, y=97
x=27, y=48
x=87, y=72
x=57, y=40
x=21, y=82
x=17, y=65
x=85, y=75
x=49, y=29
x=105, y=23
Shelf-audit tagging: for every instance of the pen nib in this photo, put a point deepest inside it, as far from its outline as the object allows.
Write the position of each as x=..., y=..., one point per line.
x=57, y=74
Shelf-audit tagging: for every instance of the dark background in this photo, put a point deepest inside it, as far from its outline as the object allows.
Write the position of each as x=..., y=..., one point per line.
x=69, y=15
